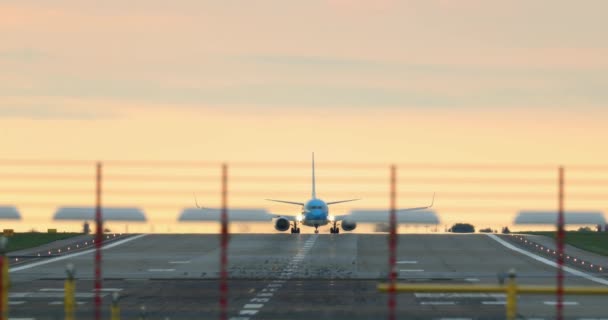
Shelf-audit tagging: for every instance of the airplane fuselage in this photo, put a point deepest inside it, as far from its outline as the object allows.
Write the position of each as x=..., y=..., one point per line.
x=315, y=213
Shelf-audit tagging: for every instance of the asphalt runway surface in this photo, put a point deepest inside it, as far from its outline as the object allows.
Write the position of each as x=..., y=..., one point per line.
x=285, y=276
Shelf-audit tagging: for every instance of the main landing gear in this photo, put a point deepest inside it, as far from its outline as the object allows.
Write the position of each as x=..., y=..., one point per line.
x=295, y=228
x=334, y=229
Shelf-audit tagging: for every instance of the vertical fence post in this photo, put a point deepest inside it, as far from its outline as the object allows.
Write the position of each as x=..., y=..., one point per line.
x=511, y=296
x=98, y=242
x=69, y=288
x=560, y=247
x=4, y=280
x=224, y=247
x=392, y=240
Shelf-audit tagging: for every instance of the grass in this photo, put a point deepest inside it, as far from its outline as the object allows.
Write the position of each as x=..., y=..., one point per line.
x=596, y=242
x=20, y=241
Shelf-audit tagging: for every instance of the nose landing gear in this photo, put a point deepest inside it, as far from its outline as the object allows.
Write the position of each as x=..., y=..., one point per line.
x=316, y=228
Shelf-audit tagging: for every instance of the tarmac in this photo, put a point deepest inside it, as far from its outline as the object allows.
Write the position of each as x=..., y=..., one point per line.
x=287, y=276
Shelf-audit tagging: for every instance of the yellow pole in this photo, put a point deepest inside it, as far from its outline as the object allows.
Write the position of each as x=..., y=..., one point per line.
x=70, y=287
x=115, y=309
x=511, y=296
x=5, y=279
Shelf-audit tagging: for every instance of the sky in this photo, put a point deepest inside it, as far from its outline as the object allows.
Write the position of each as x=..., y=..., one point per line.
x=385, y=81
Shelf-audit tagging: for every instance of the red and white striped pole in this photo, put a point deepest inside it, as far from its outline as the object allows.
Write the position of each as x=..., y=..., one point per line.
x=98, y=242
x=560, y=247
x=392, y=242
x=224, y=247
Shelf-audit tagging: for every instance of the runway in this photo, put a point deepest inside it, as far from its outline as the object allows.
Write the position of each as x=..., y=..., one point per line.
x=285, y=276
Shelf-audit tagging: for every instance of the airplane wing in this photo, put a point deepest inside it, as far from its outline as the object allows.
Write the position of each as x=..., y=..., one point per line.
x=383, y=216
x=289, y=202
x=341, y=201
x=407, y=215
x=215, y=214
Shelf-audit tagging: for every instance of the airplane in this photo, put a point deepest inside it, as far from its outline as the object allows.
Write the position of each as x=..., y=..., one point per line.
x=315, y=213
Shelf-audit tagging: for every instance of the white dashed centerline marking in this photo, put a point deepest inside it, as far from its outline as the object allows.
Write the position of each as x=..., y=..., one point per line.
x=264, y=296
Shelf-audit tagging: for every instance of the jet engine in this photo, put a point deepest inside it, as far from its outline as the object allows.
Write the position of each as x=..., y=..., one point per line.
x=281, y=224
x=348, y=225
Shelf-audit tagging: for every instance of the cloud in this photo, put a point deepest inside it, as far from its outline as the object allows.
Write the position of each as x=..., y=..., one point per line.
x=41, y=112
x=24, y=55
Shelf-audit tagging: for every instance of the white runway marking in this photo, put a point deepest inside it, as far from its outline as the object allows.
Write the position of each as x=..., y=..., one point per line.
x=76, y=254
x=16, y=302
x=267, y=293
x=565, y=303
x=51, y=289
x=411, y=270
x=407, y=262
x=21, y=318
x=494, y=302
x=455, y=318
x=161, y=270
x=471, y=279
x=56, y=303
x=248, y=312
x=50, y=295
x=438, y=303
x=547, y=261
x=109, y=289
x=459, y=295
x=179, y=262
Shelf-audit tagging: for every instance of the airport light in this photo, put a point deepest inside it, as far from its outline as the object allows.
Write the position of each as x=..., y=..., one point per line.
x=69, y=288
x=142, y=312
x=115, y=308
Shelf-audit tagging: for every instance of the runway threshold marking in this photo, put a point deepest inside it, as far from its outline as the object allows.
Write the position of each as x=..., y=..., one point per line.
x=266, y=294
x=547, y=261
x=76, y=254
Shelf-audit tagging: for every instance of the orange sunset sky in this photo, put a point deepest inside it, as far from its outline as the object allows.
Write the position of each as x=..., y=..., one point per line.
x=426, y=82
